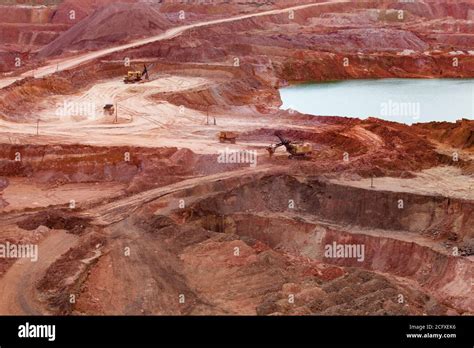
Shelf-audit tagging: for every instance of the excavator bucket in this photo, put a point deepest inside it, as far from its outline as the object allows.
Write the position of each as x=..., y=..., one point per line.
x=271, y=150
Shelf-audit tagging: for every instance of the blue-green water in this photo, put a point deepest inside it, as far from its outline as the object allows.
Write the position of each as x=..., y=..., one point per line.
x=401, y=100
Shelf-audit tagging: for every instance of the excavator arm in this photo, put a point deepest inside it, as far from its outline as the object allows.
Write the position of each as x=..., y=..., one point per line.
x=284, y=142
x=272, y=148
x=294, y=149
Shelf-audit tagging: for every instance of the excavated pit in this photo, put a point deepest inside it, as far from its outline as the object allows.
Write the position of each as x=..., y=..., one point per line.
x=427, y=241
x=242, y=244
x=280, y=226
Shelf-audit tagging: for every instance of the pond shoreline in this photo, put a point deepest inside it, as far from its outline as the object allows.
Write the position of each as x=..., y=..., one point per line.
x=405, y=101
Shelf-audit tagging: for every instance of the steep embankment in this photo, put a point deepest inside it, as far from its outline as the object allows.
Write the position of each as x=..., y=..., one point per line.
x=437, y=216
x=421, y=240
x=24, y=29
x=459, y=134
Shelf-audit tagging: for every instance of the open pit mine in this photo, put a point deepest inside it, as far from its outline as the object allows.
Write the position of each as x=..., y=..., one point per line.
x=147, y=166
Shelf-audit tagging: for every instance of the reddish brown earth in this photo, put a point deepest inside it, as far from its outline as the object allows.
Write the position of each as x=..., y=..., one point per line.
x=160, y=226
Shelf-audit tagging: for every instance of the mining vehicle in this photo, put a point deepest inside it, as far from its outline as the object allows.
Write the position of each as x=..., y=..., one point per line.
x=296, y=150
x=227, y=136
x=109, y=109
x=136, y=76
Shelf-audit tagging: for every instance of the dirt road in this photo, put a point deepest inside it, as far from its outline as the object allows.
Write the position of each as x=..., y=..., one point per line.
x=153, y=124
x=17, y=286
x=68, y=63
x=446, y=181
x=118, y=210
x=142, y=121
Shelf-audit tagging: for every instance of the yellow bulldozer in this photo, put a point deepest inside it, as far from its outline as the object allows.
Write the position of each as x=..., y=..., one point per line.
x=295, y=149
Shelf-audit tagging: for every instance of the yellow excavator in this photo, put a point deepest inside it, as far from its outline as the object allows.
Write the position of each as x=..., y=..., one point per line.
x=296, y=150
x=136, y=76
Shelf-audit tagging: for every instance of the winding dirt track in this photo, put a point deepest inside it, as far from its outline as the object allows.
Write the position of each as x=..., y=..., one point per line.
x=152, y=124
x=120, y=209
x=17, y=286
x=68, y=63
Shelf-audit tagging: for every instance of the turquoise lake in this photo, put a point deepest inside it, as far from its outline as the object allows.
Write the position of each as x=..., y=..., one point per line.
x=400, y=100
